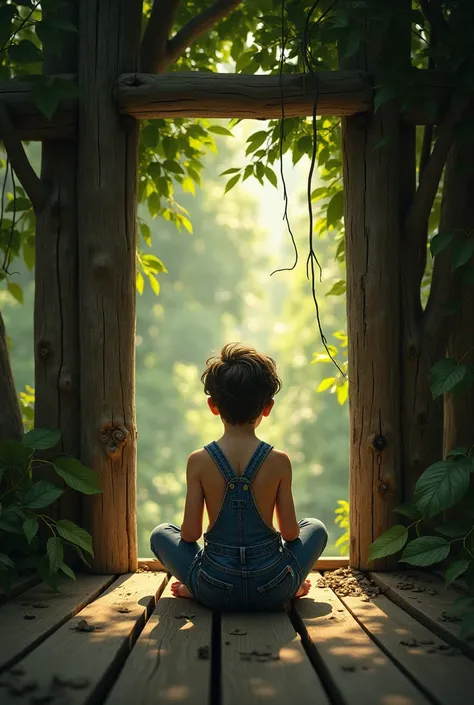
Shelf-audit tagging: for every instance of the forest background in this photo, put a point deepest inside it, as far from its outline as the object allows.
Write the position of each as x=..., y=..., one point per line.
x=218, y=288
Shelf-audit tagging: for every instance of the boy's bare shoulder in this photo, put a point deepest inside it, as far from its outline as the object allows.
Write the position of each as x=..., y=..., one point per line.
x=280, y=461
x=198, y=461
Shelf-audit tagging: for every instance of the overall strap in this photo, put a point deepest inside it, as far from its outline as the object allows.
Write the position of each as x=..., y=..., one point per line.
x=256, y=460
x=220, y=460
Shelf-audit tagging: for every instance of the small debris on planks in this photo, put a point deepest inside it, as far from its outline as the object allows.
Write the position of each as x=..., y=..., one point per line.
x=348, y=582
x=260, y=656
x=123, y=610
x=29, y=616
x=84, y=626
x=76, y=683
x=40, y=605
x=237, y=632
x=187, y=617
x=349, y=669
x=203, y=653
x=447, y=617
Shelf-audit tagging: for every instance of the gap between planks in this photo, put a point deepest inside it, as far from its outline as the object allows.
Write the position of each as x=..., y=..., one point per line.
x=171, y=660
x=443, y=673
x=29, y=618
x=429, y=609
x=354, y=670
x=80, y=661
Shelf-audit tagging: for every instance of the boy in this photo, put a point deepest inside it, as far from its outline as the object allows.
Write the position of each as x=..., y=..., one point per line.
x=245, y=563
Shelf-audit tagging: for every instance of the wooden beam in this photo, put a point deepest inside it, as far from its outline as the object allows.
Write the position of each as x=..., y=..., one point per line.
x=196, y=94
x=228, y=95
x=17, y=96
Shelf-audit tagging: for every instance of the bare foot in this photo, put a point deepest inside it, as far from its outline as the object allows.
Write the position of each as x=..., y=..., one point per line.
x=180, y=590
x=303, y=588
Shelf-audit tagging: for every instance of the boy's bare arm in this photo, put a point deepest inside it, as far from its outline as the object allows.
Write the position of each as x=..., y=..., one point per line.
x=191, y=528
x=285, y=506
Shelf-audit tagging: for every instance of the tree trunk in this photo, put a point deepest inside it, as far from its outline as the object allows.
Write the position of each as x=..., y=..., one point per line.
x=459, y=192
x=371, y=203
x=56, y=305
x=11, y=426
x=107, y=184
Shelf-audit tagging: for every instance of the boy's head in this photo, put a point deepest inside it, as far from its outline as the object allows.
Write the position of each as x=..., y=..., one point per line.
x=241, y=384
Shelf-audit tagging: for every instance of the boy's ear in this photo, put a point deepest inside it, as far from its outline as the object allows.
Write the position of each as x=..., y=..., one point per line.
x=268, y=408
x=212, y=407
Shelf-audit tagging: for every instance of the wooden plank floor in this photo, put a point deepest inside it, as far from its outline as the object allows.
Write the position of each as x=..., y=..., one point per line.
x=127, y=641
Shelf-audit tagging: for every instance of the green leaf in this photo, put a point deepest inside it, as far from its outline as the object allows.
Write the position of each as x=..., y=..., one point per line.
x=390, y=542
x=16, y=291
x=425, y=551
x=41, y=494
x=67, y=571
x=337, y=289
x=41, y=438
x=25, y=52
x=408, y=509
x=231, y=183
x=30, y=528
x=441, y=486
x=77, y=476
x=454, y=529
x=55, y=552
x=335, y=208
x=18, y=205
x=174, y=167
x=5, y=560
x=305, y=144
x=439, y=242
x=229, y=171
x=219, y=130
x=463, y=249
x=456, y=452
x=467, y=626
x=44, y=571
x=271, y=176
x=326, y=384
x=383, y=95
x=455, y=570
x=14, y=455
x=74, y=534
x=445, y=375
x=152, y=262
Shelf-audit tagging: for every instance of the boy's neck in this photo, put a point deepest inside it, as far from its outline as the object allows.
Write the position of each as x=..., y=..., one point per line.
x=241, y=431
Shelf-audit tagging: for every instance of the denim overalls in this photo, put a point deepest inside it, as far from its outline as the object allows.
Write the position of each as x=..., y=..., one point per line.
x=244, y=565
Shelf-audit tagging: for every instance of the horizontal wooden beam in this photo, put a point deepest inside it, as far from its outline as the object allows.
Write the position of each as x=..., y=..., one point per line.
x=217, y=95
x=228, y=95
x=30, y=123
x=330, y=563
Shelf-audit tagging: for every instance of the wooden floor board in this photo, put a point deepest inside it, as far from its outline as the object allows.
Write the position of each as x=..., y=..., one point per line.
x=171, y=660
x=79, y=662
x=424, y=596
x=263, y=661
x=21, y=585
x=355, y=670
x=441, y=671
x=30, y=617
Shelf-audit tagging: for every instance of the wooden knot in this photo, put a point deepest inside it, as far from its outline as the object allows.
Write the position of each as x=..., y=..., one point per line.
x=44, y=349
x=114, y=438
x=383, y=487
x=412, y=350
x=101, y=262
x=65, y=382
x=378, y=442
x=422, y=418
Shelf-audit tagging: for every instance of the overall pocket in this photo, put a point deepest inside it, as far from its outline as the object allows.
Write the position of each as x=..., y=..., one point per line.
x=211, y=592
x=280, y=590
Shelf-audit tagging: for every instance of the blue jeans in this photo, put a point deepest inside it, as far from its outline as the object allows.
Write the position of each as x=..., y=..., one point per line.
x=180, y=557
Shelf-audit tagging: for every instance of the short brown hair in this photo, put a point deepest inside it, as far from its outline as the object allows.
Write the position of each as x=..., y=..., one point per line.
x=240, y=382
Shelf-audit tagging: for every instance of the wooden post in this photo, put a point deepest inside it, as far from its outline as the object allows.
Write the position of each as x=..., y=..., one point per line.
x=371, y=204
x=107, y=184
x=56, y=322
x=11, y=426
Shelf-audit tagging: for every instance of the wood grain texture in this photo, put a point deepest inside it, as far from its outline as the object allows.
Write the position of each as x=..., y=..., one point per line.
x=56, y=319
x=164, y=666
x=107, y=199
x=11, y=425
x=195, y=94
x=262, y=660
x=90, y=659
x=372, y=233
x=429, y=609
x=29, y=618
x=21, y=585
x=354, y=669
x=445, y=676
x=27, y=119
